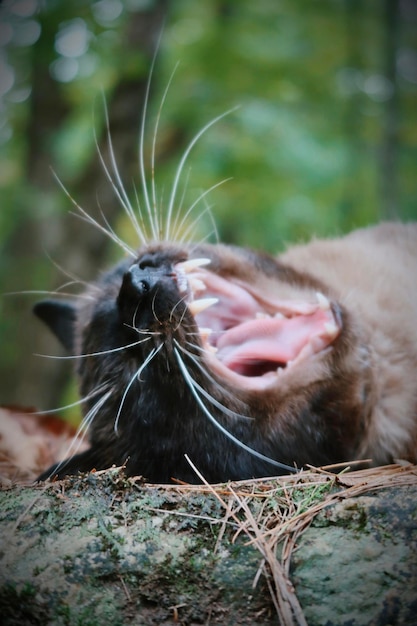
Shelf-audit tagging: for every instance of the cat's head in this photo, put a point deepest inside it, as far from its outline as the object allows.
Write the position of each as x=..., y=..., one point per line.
x=214, y=352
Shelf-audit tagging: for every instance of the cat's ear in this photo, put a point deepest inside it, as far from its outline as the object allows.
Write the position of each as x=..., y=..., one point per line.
x=60, y=317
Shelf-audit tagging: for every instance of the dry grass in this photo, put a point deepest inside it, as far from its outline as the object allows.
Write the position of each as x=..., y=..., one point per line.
x=274, y=512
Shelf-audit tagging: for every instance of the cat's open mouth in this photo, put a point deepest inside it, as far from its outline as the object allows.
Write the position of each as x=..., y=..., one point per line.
x=251, y=338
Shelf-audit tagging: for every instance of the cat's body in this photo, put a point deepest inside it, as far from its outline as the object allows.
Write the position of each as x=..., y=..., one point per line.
x=311, y=358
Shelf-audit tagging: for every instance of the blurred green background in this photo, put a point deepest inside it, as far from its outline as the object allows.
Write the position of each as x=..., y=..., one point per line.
x=324, y=138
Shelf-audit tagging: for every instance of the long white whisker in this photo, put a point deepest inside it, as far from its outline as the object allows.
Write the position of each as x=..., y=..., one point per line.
x=90, y=220
x=153, y=218
x=82, y=430
x=143, y=331
x=129, y=250
x=155, y=135
x=187, y=234
x=178, y=213
x=182, y=163
x=204, y=371
x=174, y=309
x=93, y=222
x=136, y=376
x=84, y=356
x=39, y=292
x=118, y=186
x=144, y=226
x=73, y=404
x=74, y=279
x=192, y=386
x=177, y=227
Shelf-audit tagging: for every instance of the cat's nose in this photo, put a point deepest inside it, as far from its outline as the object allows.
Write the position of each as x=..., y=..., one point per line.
x=137, y=282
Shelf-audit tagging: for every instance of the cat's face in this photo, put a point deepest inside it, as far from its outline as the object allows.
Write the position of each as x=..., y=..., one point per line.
x=217, y=353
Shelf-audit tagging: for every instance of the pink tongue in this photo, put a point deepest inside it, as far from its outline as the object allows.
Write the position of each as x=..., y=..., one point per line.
x=269, y=340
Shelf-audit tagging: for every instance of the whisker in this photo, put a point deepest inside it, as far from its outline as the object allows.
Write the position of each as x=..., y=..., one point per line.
x=153, y=218
x=182, y=163
x=104, y=352
x=153, y=152
x=118, y=186
x=143, y=331
x=88, y=218
x=123, y=245
x=93, y=222
x=153, y=308
x=173, y=311
x=209, y=397
x=73, y=404
x=144, y=225
x=82, y=430
x=45, y=292
x=136, y=376
x=75, y=279
x=192, y=386
x=177, y=228
x=192, y=227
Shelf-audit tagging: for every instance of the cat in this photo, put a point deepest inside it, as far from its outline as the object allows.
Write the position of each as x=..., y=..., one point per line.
x=209, y=360
x=246, y=365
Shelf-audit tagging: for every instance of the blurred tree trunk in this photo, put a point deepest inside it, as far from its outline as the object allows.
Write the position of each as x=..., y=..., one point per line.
x=389, y=166
x=78, y=248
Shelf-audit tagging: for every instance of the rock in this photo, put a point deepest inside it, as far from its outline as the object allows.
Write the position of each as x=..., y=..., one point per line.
x=105, y=550
x=357, y=563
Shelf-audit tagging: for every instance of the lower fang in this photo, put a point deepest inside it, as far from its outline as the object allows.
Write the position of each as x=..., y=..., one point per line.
x=331, y=329
x=205, y=333
x=197, y=306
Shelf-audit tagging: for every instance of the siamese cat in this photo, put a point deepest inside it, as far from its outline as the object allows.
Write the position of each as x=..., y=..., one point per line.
x=245, y=364
x=235, y=362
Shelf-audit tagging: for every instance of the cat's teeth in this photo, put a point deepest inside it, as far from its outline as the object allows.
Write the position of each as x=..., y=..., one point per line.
x=196, y=284
x=197, y=306
x=262, y=316
x=192, y=264
x=205, y=334
x=279, y=316
x=182, y=282
x=331, y=329
x=323, y=302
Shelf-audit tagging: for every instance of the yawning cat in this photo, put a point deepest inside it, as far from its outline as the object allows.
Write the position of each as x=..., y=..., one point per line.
x=248, y=365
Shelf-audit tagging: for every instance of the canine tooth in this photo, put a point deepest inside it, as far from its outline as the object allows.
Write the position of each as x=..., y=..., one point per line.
x=331, y=329
x=196, y=284
x=192, y=264
x=205, y=334
x=279, y=316
x=323, y=302
x=197, y=306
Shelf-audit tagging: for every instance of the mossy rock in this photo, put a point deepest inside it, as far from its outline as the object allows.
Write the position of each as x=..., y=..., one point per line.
x=105, y=550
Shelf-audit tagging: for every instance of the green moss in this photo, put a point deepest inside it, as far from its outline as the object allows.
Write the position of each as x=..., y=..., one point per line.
x=20, y=607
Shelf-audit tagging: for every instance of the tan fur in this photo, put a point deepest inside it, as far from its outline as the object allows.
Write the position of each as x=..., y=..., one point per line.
x=373, y=273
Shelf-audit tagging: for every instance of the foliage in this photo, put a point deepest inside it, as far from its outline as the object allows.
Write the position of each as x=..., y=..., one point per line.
x=323, y=139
